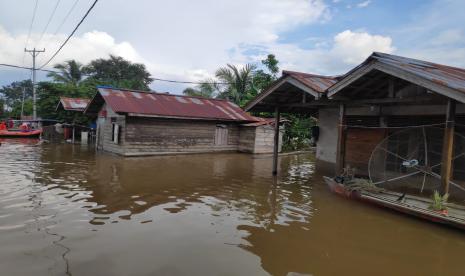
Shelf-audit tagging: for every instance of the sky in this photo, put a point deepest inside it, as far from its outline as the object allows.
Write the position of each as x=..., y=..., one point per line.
x=188, y=40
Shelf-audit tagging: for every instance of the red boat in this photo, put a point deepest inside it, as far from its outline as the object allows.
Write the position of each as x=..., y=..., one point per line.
x=407, y=204
x=20, y=134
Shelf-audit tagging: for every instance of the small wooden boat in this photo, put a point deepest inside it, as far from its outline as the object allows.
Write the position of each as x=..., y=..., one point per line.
x=20, y=134
x=407, y=204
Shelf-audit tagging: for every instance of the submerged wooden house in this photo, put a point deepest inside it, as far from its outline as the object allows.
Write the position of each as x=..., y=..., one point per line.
x=385, y=94
x=138, y=123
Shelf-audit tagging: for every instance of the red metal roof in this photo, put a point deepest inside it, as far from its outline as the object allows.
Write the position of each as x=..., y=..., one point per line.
x=74, y=104
x=449, y=76
x=316, y=82
x=169, y=105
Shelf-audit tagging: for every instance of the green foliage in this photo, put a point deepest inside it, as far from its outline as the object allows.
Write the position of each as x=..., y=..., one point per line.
x=70, y=72
x=271, y=64
x=297, y=133
x=238, y=82
x=50, y=94
x=12, y=96
x=209, y=89
x=118, y=72
x=15, y=111
x=439, y=202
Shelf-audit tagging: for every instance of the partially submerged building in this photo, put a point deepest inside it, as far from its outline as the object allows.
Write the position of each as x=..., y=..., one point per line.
x=138, y=123
x=385, y=94
x=72, y=104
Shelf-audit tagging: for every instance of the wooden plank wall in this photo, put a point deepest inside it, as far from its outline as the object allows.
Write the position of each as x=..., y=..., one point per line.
x=359, y=145
x=154, y=135
x=105, y=135
x=264, y=139
x=247, y=139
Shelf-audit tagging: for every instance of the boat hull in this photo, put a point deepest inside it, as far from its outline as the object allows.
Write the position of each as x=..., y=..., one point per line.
x=20, y=134
x=409, y=207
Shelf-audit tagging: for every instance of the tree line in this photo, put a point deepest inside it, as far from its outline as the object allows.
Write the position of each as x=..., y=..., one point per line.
x=238, y=84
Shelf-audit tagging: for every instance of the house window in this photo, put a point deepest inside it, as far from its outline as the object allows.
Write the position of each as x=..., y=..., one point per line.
x=221, y=135
x=115, y=130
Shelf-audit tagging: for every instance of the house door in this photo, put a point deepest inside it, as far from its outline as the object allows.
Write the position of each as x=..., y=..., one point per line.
x=358, y=148
x=221, y=135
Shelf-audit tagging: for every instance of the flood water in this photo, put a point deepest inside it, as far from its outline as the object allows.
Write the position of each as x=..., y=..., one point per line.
x=65, y=210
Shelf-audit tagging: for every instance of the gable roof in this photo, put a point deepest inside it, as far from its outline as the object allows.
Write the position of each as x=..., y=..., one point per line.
x=318, y=83
x=312, y=84
x=151, y=104
x=73, y=104
x=443, y=79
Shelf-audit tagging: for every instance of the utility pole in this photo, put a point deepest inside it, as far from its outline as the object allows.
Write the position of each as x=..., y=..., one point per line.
x=22, y=102
x=34, y=53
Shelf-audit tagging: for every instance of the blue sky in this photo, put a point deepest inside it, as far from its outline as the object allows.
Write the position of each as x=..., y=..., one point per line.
x=189, y=40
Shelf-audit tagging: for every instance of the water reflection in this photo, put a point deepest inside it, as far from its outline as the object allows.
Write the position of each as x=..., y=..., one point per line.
x=65, y=209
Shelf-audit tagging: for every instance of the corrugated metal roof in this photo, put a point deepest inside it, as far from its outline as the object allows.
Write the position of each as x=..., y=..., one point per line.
x=449, y=76
x=74, y=104
x=316, y=82
x=166, y=105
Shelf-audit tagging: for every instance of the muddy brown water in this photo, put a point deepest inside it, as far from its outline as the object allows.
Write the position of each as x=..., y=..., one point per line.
x=65, y=210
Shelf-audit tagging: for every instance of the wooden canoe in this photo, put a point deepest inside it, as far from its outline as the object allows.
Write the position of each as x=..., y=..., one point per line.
x=410, y=205
x=20, y=134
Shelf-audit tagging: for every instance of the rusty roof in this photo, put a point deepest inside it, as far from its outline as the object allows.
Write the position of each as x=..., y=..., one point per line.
x=172, y=106
x=449, y=76
x=73, y=104
x=318, y=83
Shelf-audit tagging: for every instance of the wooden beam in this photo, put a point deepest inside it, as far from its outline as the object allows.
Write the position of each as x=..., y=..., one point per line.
x=421, y=81
x=417, y=99
x=276, y=140
x=448, y=147
x=340, y=141
x=391, y=92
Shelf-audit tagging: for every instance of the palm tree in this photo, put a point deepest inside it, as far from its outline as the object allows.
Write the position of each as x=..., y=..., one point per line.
x=238, y=82
x=70, y=72
x=207, y=89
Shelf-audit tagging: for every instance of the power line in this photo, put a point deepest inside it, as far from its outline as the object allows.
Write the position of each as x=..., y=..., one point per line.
x=32, y=23
x=49, y=20
x=89, y=75
x=66, y=17
x=189, y=82
x=72, y=33
x=34, y=11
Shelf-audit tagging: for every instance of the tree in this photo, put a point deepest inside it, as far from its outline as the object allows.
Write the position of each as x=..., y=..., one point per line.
x=271, y=64
x=263, y=79
x=50, y=94
x=70, y=72
x=207, y=89
x=12, y=97
x=238, y=82
x=118, y=72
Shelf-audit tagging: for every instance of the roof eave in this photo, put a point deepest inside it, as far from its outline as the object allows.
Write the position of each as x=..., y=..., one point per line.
x=284, y=79
x=132, y=114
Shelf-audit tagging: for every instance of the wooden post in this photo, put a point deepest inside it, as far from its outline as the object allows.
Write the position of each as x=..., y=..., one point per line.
x=340, y=140
x=448, y=147
x=276, y=141
x=391, y=92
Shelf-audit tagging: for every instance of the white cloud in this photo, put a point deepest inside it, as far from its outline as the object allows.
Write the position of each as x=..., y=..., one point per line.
x=364, y=4
x=186, y=43
x=346, y=50
x=352, y=47
x=83, y=48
